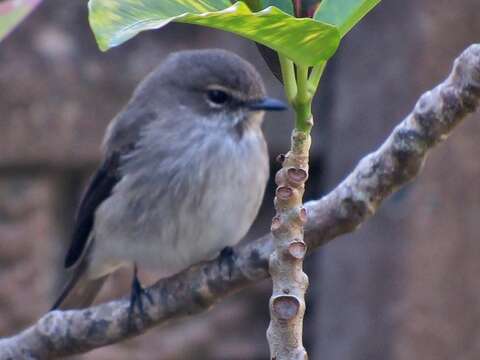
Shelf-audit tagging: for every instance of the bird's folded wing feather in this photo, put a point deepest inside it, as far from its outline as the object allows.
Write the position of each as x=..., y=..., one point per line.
x=99, y=188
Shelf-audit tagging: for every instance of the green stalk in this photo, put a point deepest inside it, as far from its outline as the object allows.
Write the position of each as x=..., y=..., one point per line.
x=288, y=77
x=315, y=77
x=302, y=104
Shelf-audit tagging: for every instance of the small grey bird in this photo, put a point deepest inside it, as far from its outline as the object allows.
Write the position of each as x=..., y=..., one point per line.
x=184, y=171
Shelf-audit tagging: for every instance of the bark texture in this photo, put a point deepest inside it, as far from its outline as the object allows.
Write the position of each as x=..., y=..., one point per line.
x=397, y=161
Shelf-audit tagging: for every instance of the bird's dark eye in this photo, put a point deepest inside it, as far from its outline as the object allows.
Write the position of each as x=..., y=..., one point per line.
x=217, y=97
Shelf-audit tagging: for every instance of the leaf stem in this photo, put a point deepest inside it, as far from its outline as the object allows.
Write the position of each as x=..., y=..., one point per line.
x=315, y=76
x=302, y=83
x=302, y=103
x=288, y=77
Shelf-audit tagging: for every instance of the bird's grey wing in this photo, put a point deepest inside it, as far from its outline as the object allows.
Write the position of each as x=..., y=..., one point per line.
x=121, y=138
x=99, y=188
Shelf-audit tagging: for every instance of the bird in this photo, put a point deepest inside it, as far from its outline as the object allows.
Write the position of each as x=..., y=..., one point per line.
x=183, y=173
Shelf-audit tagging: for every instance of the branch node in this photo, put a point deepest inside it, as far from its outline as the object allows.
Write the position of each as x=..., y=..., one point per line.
x=303, y=216
x=278, y=227
x=280, y=158
x=296, y=176
x=284, y=192
x=285, y=307
x=297, y=250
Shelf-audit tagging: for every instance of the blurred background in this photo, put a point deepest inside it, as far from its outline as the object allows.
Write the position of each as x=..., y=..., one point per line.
x=404, y=286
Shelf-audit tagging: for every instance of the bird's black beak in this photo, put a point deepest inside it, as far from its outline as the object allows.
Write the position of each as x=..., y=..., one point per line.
x=267, y=104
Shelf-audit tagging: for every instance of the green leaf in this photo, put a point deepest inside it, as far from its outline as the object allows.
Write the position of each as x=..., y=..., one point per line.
x=305, y=41
x=284, y=5
x=12, y=13
x=254, y=5
x=344, y=14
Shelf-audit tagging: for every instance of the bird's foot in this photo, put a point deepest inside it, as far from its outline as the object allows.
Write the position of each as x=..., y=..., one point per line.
x=137, y=295
x=227, y=258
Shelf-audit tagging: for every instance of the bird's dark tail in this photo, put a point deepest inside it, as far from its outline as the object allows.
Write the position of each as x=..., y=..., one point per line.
x=80, y=291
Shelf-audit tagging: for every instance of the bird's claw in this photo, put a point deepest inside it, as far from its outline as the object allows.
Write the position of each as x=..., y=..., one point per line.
x=136, y=298
x=227, y=258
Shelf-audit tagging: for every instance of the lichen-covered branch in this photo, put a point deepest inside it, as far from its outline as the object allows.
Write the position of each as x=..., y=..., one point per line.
x=377, y=175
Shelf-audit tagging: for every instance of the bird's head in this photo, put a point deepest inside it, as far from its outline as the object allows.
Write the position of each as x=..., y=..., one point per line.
x=214, y=87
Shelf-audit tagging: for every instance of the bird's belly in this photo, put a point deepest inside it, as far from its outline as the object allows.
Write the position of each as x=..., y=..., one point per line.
x=173, y=235
x=199, y=233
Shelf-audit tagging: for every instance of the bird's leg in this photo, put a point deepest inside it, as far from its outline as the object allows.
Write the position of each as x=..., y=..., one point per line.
x=136, y=296
x=227, y=257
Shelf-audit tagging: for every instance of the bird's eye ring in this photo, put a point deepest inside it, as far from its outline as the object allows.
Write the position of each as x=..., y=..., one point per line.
x=217, y=97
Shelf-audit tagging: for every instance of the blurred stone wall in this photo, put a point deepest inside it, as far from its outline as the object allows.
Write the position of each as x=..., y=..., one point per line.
x=402, y=287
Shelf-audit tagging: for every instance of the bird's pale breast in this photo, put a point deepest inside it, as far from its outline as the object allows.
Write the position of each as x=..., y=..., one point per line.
x=174, y=214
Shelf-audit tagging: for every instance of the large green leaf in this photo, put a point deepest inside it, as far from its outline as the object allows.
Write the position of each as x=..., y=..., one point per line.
x=257, y=5
x=344, y=14
x=284, y=5
x=13, y=12
x=305, y=41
